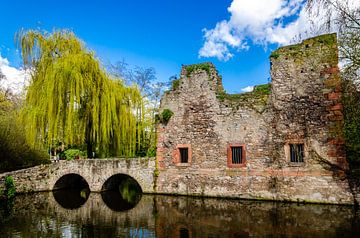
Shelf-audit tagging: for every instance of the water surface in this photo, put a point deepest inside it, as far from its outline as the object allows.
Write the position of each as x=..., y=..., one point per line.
x=64, y=214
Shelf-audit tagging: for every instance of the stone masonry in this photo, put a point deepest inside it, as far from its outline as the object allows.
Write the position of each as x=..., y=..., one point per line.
x=94, y=171
x=300, y=107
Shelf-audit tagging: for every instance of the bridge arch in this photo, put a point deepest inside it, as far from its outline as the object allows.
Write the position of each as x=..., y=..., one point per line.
x=70, y=180
x=116, y=180
x=121, y=192
x=71, y=191
x=94, y=171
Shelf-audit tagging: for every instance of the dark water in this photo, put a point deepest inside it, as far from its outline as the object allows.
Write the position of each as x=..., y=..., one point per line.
x=78, y=213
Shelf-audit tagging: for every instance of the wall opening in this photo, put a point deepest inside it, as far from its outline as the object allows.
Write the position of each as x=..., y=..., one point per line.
x=296, y=153
x=236, y=152
x=236, y=156
x=71, y=191
x=184, y=155
x=121, y=192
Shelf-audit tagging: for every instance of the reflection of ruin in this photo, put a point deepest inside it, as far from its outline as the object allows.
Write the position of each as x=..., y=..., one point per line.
x=196, y=217
x=166, y=216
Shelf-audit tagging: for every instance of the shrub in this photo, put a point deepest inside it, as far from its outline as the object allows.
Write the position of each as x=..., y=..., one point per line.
x=71, y=154
x=194, y=67
x=10, y=188
x=175, y=84
x=166, y=115
x=15, y=151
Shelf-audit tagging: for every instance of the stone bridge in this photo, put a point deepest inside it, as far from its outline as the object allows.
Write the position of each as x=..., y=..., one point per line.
x=94, y=171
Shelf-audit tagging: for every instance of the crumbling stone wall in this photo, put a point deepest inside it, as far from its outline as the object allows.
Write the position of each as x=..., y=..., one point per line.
x=302, y=106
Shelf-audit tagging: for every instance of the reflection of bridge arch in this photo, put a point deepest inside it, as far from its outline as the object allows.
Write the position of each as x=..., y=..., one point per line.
x=71, y=191
x=93, y=212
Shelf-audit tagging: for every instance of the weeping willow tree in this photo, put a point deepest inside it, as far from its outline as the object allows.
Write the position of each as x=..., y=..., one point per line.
x=71, y=98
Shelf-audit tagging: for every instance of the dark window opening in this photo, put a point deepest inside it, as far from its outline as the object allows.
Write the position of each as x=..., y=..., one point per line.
x=184, y=155
x=297, y=153
x=236, y=155
x=184, y=233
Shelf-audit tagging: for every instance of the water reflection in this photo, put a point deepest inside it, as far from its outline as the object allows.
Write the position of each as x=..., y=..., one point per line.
x=71, y=191
x=39, y=215
x=115, y=201
x=71, y=198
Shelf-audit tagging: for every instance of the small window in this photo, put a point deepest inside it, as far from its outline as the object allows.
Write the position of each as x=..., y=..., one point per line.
x=296, y=153
x=184, y=233
x=236, y=155
x=184, y=155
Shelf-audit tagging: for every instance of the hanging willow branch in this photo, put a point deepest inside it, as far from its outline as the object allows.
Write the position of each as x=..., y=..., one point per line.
x=71, y=99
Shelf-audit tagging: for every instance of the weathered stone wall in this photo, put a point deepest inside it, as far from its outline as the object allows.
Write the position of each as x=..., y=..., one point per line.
x=94, y=171
x=303, y=107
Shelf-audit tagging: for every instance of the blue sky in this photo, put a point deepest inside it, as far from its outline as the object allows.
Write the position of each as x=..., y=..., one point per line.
x=164, y=34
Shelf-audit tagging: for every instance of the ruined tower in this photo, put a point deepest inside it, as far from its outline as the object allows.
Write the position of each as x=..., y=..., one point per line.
x=282, y=141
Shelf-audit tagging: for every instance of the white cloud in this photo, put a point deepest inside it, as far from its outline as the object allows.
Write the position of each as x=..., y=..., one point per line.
x=247, y=89
x=263, y=22
x=15, y=79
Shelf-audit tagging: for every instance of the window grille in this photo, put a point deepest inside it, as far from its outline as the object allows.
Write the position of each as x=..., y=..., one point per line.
x=297, y=153
x=236, y=155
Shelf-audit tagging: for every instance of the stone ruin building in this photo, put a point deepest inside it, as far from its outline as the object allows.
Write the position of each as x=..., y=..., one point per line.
x=283, y=141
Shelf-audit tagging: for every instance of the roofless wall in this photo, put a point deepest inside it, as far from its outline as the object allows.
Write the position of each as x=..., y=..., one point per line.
x=282, y=141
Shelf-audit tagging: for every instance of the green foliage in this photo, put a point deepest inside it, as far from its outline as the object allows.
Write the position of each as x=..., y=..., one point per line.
x=274, y=55
x=259, y=92
x=194, y=67
x=263, y=89
x=10, y=188
x=175, y=84
x=71, y=98
x=257, y=99
x=350, y=100
x=15, y=152
x=165, y=116
x=71, y=154
x=151, y=151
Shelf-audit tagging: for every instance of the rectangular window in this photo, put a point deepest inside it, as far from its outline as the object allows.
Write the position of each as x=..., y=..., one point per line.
x=184, y=233
x=297, y=153
x=236, y=155
x=184, y=155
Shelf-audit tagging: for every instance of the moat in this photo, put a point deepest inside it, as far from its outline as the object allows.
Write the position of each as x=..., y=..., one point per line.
x=74, y=213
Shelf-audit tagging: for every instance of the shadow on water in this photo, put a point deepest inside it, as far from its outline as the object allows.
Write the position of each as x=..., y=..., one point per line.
x=121, y=192
x=71, y=191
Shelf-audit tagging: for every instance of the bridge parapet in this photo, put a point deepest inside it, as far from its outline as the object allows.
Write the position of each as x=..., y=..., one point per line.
x=94, y=171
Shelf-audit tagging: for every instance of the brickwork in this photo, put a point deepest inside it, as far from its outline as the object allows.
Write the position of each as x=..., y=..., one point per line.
x=303, y=107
